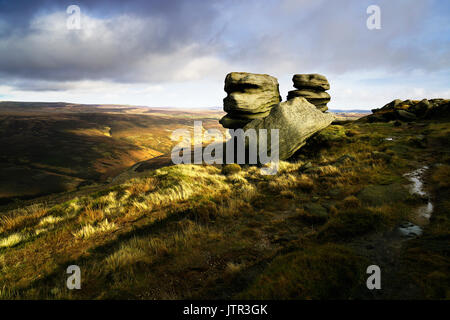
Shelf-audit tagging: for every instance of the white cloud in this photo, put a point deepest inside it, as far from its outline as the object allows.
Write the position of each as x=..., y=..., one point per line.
x=180, y=54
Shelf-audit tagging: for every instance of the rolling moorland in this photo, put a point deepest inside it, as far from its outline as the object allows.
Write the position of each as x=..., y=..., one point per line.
x=350, y=198
x=55, y=147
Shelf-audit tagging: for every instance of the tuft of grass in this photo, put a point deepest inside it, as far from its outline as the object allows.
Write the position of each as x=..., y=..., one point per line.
x=142, y=187
x=328, y=171
x=231, y=168
x=148, y=249
x=89, y=230
x=8, y=293
x=351, y=202
x=288, y=182
x=12, y=240
x=49, y=220
x=22, y=218
x=90, y=215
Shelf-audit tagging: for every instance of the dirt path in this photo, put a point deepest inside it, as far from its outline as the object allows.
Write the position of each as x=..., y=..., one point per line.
x=385, y=249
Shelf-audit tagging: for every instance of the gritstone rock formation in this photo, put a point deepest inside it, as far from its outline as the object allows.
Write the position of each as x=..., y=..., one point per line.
x=312, y=87
x=297, y=120
x=250, y=96
x=410, y=110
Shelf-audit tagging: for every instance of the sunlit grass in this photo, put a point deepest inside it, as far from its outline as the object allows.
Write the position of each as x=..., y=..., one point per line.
x=12, y=240
x=89, y=230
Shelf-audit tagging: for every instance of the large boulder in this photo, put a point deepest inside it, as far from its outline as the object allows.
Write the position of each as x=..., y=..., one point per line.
x=250, y=102
x=296, y=119
x=239, y=120
x=313, y=81
x=233, y=123
x=421, y=108
x=389, y=106
x=247, y=82
x=313, y=96
x=250, y=96
x=311, y=87
x=405, y=115
x=410, y=110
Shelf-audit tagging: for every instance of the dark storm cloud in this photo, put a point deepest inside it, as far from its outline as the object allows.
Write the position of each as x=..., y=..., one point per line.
x=124, y=41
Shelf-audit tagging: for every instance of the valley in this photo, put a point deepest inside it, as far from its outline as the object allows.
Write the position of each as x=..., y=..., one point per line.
x=55, y=147
x=163, y=231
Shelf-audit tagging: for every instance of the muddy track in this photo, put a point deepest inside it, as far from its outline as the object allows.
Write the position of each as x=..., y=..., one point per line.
x=386, y=249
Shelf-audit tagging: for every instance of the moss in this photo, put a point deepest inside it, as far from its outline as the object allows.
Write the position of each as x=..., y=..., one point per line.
x=376, y=195
x=309, y=217
x=330, y=135
x=350, y=223
x=316, y=272
x=441, y=176
x=316, y=209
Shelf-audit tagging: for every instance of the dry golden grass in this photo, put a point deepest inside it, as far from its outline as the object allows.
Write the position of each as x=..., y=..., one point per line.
x=287, y=182
x=12, y=240
x=49, y=220
x=182, y=229
x=142, y=186
x=90, y=215
x=19, y=219
x=89, y=230
x=148, y=249
x=328, y=171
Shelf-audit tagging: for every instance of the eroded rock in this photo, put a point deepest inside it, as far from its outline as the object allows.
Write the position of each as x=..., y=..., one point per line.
x=296, y=119
x=312, y=87
x=250, y=96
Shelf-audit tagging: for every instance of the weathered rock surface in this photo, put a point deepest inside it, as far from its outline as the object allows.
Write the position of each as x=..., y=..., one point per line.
x=313, y=96
x=233, y=123
x=296, y=119
x=313, y=81
x=311, y=87
x=244, y=81
x=250, y=96
x=405, y=115
x=251, y=102
x=411, y=110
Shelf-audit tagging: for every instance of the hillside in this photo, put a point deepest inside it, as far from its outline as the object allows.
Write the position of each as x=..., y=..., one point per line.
x=55, y=147
x=343, y=202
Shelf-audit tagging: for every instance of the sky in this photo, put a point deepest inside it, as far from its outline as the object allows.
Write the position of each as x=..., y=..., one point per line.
x=177, y=53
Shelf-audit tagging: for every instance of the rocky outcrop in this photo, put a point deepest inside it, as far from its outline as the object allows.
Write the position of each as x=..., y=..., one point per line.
x=312, y=87
x=296, y=119
x=250, y=96
x=411, y=110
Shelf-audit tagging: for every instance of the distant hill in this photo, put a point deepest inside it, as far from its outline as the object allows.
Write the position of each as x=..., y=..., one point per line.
x=349, y=111
x=58, y=146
